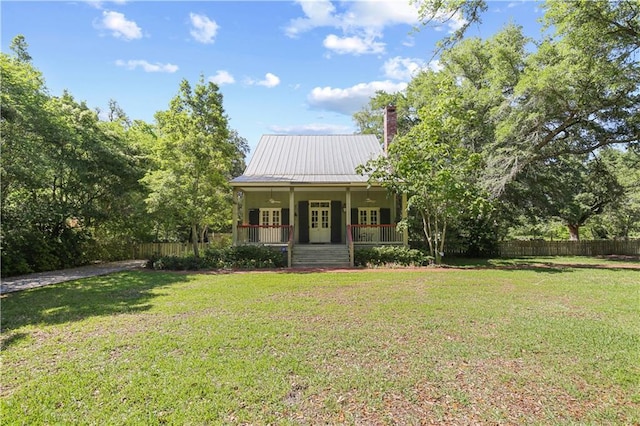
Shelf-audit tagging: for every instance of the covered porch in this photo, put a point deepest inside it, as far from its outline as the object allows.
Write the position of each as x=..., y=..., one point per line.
x=290, y=215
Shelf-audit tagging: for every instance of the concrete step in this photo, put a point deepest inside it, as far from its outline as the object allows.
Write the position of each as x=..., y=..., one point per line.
x=316, y=255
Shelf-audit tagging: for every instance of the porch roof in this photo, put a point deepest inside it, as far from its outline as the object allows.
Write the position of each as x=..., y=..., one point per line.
x=309, y=159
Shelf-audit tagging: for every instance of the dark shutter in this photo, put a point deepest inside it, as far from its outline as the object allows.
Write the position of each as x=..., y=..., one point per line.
x=285, y=221
x=385, y=216
x=354, y=216
x=254, y=219
x=303, y=221
x=336, y=221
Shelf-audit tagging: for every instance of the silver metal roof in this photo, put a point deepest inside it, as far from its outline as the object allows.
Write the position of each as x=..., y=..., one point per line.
x=310, y=159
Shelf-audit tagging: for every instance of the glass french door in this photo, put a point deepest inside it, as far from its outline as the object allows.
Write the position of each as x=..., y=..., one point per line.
x=369, y=216
x=270, y=219
x=319, y=221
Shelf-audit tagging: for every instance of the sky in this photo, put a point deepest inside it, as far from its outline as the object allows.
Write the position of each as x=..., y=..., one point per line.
x=283, y=67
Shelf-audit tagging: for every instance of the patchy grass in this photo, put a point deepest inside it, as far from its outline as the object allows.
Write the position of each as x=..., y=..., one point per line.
x=548, y=261
x=546, y=345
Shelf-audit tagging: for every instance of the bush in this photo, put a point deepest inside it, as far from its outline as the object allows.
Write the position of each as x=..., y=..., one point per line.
x=240, y=257
x=391, y=255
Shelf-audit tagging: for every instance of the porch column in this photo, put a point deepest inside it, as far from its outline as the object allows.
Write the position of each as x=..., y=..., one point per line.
x=234, y=222
x=292, y=222
x=348, y=215
x=405, y=214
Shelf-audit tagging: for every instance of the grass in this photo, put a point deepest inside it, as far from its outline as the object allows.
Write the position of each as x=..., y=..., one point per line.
x=550, y=345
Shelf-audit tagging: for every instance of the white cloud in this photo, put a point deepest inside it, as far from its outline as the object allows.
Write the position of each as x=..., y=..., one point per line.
x=119, y=26
x=361, y=22
x=98, y=4
x=312, y=129
x=132, y=64
x=222, y=77
x=353, y=45
x=204, y=29
x=404, y=69
x=378, y=14
x=270, y=80
x=352, y=99
x=356, y=17
x=319, y=13
x=409, y=42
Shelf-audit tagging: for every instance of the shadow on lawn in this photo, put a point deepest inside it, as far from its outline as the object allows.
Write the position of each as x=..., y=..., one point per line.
x=124, y=292
x=545, y=264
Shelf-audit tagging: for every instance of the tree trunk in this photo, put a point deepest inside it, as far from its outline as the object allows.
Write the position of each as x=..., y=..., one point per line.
x=574, y=231
x=426, y=227
x=194, y=239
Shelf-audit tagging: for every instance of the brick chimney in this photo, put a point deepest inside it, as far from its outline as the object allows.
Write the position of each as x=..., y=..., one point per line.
x=390, y=125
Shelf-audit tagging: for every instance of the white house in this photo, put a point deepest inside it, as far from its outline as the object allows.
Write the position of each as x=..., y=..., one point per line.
x=303, y=195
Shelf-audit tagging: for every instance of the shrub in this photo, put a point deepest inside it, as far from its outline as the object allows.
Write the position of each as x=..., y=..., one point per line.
x=241, y=257
x=175, y=263
x=391, y=255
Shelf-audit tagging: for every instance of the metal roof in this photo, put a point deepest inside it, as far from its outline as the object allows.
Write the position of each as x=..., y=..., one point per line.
x=310, y=159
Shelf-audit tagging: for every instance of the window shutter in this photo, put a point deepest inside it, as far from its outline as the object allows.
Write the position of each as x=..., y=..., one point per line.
x=303, y=221
x=254, y=219
x=285, y=221
x=336, y=221
x=354, y=216
x=385, y=216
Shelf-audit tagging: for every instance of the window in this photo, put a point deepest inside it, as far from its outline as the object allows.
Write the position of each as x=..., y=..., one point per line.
x=368, y=216
x=269, y=217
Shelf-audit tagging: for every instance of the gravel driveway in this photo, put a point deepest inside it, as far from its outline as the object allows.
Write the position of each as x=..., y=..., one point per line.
x=41, y=279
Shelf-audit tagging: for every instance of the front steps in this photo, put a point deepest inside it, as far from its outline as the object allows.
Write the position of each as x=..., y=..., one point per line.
x=320, y=255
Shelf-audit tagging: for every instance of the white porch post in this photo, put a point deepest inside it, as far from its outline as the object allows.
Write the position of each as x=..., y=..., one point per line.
x=292, y=222
x=348, y=208
x=405, y=214
x=234, y=222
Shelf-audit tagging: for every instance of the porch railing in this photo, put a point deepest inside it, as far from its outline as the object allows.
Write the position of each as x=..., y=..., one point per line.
x=350, y=244
x=375, y=234
x=265, y=234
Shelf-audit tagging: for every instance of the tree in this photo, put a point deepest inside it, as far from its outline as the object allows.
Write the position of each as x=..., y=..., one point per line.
x=370, y=119
x=622, y=219
x=433, y=168
x=534, y=107
x=61, y=171
x=577, y=92
x=436, y=12
x=569, y=189
x=195, y=157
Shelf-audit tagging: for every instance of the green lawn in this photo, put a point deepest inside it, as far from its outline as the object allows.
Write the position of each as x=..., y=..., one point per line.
x=518, y=346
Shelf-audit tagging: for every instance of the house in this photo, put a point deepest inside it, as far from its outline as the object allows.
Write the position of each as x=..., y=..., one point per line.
x=302, y=194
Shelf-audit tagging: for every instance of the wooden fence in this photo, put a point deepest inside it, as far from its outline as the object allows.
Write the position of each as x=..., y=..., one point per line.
x=506, y=248
x=569, y=248
x=146, y=250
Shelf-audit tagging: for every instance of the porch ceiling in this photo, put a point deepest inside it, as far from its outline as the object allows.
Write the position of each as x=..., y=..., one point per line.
x=355, y=187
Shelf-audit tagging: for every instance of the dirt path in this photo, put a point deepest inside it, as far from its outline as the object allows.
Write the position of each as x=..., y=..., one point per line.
x=41, y=279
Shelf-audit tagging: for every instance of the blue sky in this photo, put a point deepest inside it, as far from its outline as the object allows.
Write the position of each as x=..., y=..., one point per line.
x=283, y=66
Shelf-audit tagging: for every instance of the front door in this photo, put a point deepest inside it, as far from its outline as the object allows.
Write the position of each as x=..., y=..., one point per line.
x=319, y=221
x=270, y=225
